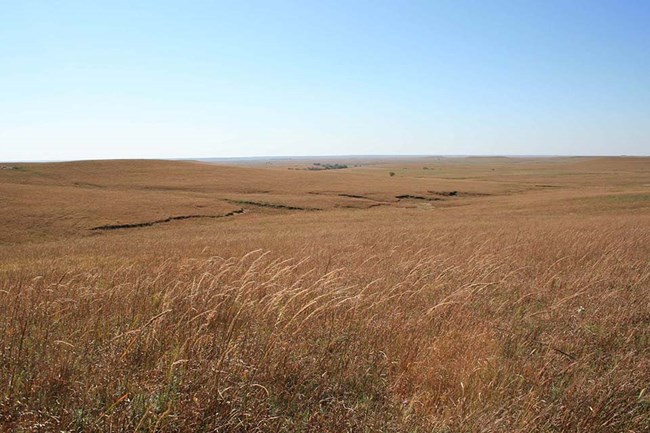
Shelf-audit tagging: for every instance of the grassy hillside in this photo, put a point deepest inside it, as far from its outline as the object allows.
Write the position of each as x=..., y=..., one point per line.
x=469, y=294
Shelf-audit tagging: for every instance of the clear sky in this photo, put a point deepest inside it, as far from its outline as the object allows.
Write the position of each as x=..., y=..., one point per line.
x=127, y=79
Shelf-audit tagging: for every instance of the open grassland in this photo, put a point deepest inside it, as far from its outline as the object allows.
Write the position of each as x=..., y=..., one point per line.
x=456, y=295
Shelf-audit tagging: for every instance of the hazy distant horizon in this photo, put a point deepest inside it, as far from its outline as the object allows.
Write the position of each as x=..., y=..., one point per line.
x=319, y=157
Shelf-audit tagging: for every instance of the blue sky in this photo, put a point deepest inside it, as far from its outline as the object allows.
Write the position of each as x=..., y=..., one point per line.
x=125, y=79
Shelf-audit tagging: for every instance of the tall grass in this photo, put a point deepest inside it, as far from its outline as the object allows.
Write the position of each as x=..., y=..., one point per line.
x=486, y=327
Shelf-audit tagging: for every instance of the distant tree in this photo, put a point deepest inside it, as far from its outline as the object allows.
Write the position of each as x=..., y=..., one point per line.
x=392, y=173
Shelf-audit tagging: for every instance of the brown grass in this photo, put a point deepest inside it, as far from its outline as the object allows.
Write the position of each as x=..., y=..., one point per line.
x=519, y=305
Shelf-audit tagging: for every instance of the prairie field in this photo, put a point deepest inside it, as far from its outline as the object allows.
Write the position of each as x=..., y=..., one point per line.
x=394, y=295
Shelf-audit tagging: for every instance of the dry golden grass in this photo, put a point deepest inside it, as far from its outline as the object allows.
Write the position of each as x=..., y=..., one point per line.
x=520, y=304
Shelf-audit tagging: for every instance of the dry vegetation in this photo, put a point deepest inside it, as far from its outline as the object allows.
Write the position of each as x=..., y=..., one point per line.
x=518, y=304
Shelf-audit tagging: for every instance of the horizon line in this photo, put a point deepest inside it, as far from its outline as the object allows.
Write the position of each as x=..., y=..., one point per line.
x=303, y=157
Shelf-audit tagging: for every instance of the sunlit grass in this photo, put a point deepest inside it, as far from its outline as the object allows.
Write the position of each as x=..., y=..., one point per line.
x=381, y=319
